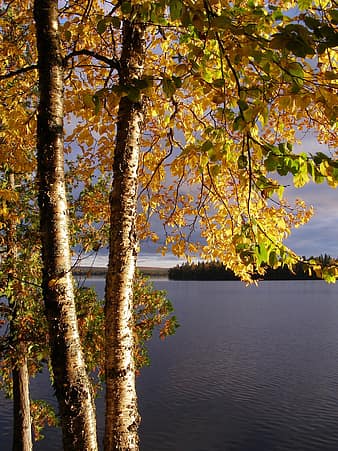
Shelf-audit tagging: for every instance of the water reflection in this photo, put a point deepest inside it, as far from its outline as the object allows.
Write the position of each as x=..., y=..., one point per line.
x=250, y=369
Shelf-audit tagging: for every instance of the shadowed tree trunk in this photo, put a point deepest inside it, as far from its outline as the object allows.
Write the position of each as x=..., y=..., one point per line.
x=72, y=386
x=122, y=418
x=22, y=425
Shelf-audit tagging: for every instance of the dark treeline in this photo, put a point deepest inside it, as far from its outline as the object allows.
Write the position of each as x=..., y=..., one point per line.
x=217, y=271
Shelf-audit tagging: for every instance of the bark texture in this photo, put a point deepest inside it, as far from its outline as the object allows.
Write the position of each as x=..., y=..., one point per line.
x=22, y=427
x=122, y=418
x=72, y=386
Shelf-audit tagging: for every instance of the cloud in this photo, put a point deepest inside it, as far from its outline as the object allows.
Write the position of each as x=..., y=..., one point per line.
x=315, y=238
x=320, y=234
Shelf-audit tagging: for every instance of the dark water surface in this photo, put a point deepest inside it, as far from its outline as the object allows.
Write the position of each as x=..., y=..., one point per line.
x=250, y=369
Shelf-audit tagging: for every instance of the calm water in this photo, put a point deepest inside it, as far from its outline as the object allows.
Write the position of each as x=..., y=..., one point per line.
x=250, y=369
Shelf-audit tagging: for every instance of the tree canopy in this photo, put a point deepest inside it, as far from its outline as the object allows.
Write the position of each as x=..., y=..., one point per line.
x=229, y=89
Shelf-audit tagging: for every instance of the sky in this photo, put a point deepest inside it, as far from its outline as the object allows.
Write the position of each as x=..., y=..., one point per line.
x=320, y=234
x=145, y=259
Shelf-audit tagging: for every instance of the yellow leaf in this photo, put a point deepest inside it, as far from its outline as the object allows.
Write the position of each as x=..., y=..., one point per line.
x=52, y=283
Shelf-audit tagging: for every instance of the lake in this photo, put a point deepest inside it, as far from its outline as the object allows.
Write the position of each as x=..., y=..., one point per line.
x=249, y=369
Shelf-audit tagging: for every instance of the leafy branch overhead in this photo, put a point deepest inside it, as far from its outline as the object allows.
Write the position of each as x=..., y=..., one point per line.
x=228, y=89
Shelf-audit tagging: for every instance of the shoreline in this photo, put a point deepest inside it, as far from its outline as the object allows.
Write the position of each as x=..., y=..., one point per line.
x=90, y=271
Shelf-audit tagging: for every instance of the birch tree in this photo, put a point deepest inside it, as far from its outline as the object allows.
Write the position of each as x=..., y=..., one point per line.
x=72, y=385
x=121, y=401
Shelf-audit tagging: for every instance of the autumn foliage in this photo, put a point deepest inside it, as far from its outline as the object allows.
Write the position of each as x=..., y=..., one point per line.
x=225, y=90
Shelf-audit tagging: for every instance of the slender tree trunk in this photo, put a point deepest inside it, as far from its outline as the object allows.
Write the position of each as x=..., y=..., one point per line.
x=22, y=427
x=72, y=386
x=22, y=423
x=122, y=418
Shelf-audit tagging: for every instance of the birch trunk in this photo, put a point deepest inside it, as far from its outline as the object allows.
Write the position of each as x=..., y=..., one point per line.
x=122, y=418
x=72, y=386
x=22, y=425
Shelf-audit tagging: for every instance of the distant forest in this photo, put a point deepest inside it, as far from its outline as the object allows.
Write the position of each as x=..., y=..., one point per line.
x=217, y=271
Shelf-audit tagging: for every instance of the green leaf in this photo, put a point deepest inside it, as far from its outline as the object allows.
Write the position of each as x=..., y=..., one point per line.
x=242, y=161
x=220, y=22
x=334, y=173
x=239, y=123
x=68, y=35
x=126, y=7
x=88, y=100
x=207, y=145
x=271, y=162
x=272, y=261
x=177, y=81
x=304, y=4
x=297, y=73
x=218, y=83
x=301, y=176
x=185, y=17
x=97, y=103
x=334, y=16
x=311, y=168
x=213, y=155
x=318, y=178
x=115, y=21
x=175, y=7
x=277, y=14
x=242, y=105
x=278, y=41
x=299, y=48
x=282, y=147
x=282, y=170
x=261, y=254
x=294, y=37
x=215, y=170
x=144, y=83
x=296, y=70
x=331, y=75
x=168, y=86
x=311, y=22
x=134, y=94
x=329, y=274
x=101, y=26
x=319, y=157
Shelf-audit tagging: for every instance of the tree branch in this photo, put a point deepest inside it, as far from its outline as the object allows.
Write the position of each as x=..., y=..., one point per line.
x=20, y=71
x=111, y=62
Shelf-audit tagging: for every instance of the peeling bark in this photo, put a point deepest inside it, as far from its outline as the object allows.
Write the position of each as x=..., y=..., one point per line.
x=122, y=418
x=72, y=386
